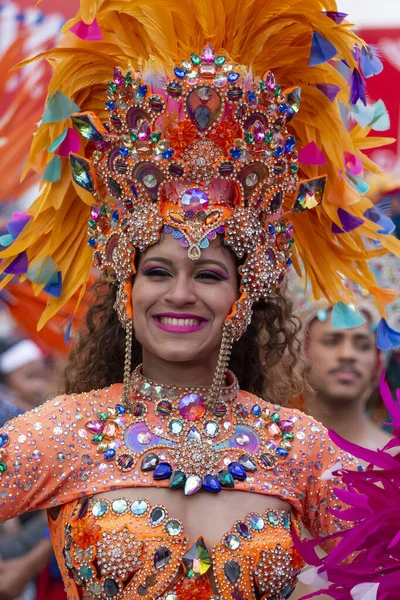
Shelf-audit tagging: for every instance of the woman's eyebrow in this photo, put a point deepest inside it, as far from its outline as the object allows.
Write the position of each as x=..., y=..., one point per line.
x=201, y=262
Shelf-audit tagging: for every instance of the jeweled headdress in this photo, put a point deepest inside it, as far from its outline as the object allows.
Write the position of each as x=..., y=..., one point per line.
x=194, y=144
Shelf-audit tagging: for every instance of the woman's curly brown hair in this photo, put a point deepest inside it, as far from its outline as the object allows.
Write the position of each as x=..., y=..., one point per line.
x=266, y=360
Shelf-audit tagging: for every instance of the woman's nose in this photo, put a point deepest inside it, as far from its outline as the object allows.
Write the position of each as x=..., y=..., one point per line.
x=182, y=291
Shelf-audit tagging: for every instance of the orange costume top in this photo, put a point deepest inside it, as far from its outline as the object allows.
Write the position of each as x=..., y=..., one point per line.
x=74, y=447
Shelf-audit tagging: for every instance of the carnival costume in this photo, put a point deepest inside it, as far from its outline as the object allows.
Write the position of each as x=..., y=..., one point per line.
x=184, y=140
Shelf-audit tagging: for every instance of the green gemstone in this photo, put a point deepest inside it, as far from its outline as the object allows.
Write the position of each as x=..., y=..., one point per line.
x=195, y=58
x=92, y=224
x=103, y=210
x=263, y=85
x=86, y=572
x=277, y=90
x=294, y=168
x=133, y=135
x=268, y=136
x=3, y=467
x=288, y=436
x=197, y=559
x=177, y=480
x=128, y=78
x=112, y=87
x=220, y=60
x=102, y=416
x=249, y=137
x=226, y=479
x=291, y=242
x=97, y=438
x=155, y=137
x=275, y=417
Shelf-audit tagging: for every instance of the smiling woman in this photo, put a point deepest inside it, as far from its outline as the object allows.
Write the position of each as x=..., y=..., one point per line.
x=193, y=184
x=210, y=287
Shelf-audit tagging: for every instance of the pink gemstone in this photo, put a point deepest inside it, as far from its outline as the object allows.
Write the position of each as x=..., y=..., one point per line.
x=102, y=145
x=192, y=407
x=194, y=201
x=95, y=426
x=94, y=212
x=274, y=430
x=285, y=425
x=208, y=70
x=270, y=81
x=259, y=131
x=208, y=54
x=144, y=131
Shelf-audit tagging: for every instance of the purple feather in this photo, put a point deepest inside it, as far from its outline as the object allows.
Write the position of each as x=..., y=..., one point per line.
x=358, y=88
x=17, y=223
x=336, y=16
x=329, y=89
x=373, y=504
x=18, y=266
x=348, y=221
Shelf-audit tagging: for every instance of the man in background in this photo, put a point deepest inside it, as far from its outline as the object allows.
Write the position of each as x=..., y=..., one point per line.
x=344, y=370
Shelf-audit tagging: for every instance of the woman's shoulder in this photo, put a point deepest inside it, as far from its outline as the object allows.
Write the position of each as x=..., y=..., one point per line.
x=69, y=407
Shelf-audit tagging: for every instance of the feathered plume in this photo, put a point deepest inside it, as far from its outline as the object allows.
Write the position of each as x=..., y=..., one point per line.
x=301, y=42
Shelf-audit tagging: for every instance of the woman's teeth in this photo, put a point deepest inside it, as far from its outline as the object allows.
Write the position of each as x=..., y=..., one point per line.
x=179, y=322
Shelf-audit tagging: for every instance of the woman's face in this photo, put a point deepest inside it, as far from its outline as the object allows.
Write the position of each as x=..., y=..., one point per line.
x=179, y=305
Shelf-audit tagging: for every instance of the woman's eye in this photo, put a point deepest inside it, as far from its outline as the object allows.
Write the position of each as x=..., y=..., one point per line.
x=209, y=275
x=157, y=272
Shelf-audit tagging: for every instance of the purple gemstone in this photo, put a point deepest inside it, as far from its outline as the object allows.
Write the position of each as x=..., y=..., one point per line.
x=285, y=425
x=259, y=131
x=208, y=54
x=94, y=212
x=289, y=231
x=95, y=426
x=195, y=201
x=270, y=81
x=192, y=407
x=118, y=77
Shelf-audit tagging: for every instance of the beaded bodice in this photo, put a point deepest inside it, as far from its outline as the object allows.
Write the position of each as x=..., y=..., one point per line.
x=76, y=447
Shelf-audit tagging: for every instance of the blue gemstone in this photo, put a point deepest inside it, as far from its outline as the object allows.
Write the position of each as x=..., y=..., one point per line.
x=162, y=471
x=92, y=242
x=110, y=105
x=282, y=452
x=235, y=153
x=123, y=151
x=115, y=215
x=271, y=229
x=278, y=151
x=109, y=454
x=283, y=108
x=252, y=96
x=360, y=468
x=256, y=410
x=168, y=153
x=120, y=408
x=290, y=143
x=232, y=76
x=289, y=262
x=142, y=90
x=211, y=484
x=237, y=471
x=180, y=73
x=3, y=440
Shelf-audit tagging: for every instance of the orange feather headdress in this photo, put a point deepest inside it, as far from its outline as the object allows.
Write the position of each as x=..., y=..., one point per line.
x=155, y=42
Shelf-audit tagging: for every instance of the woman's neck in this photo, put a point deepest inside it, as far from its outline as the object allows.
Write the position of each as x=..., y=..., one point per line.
x=180, y=374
